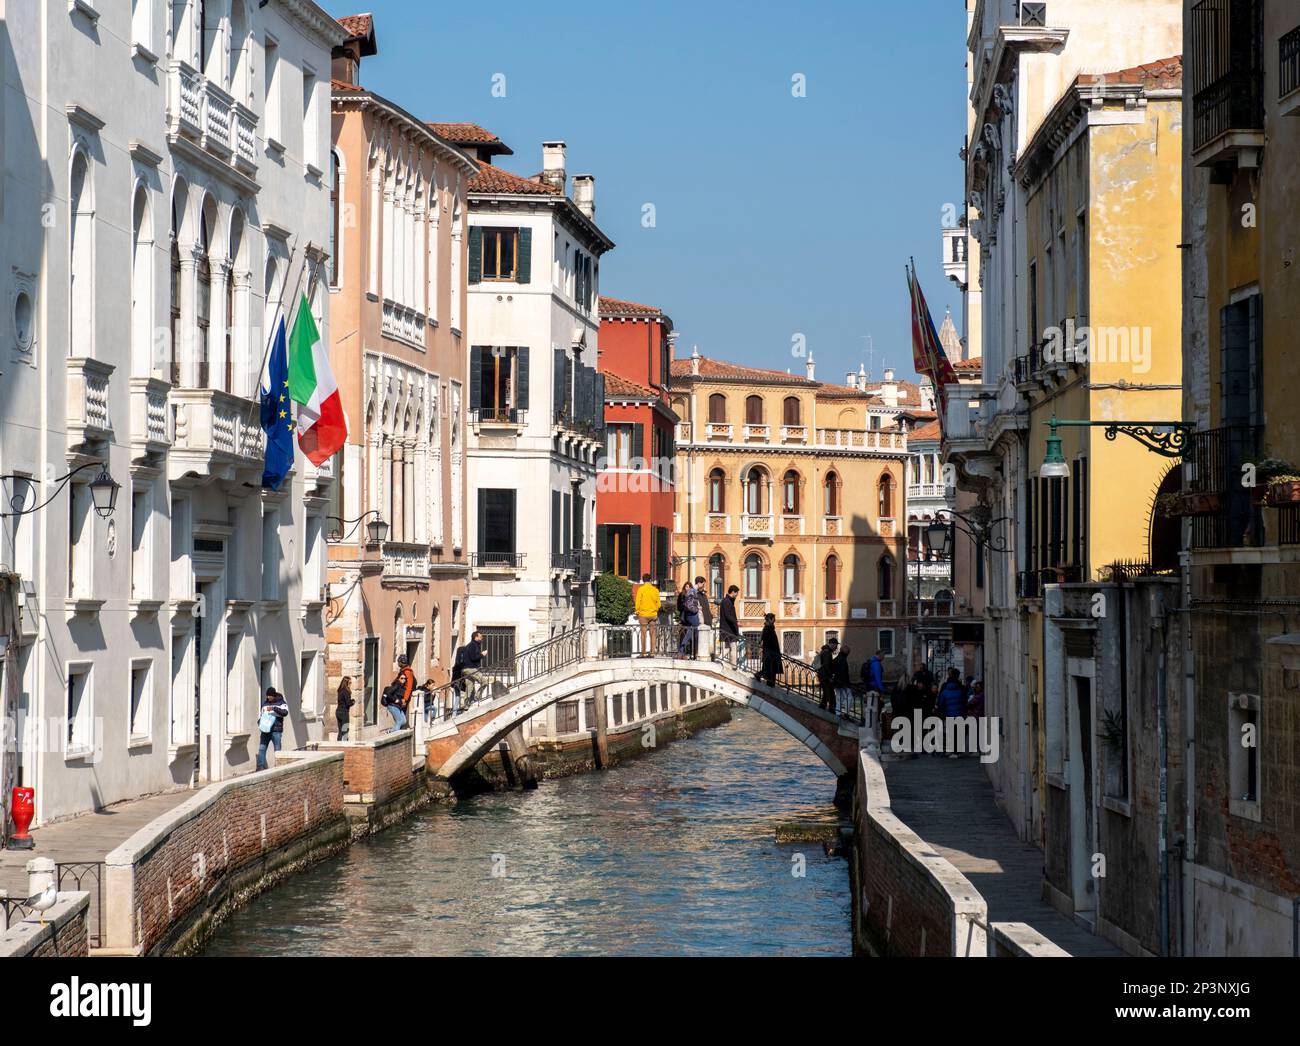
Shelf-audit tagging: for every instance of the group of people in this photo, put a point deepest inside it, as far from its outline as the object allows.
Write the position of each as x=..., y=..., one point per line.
x=954, y=698
x=693, y=610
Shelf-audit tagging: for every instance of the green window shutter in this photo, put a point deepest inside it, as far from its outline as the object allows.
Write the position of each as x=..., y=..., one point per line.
x=556, y=518
x=475, y=254
x=567, y=522
x=557, y=384
x=521, y=394
x=634, y=553
x=602, y=547
x=476, y=377
x=525, y=255
x=638, y=443
x=482, y=521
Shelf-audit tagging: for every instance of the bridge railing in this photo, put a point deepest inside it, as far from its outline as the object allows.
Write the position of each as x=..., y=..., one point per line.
x=800, y=677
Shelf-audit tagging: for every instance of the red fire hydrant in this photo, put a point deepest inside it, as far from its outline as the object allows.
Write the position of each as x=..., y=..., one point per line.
x=22, y=809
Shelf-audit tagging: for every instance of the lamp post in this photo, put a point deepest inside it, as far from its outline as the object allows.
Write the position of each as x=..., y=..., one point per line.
x=103, y=491
x=1169, y=439
x=377, y=528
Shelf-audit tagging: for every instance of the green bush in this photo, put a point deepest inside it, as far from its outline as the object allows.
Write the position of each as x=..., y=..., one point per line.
x=614, y=603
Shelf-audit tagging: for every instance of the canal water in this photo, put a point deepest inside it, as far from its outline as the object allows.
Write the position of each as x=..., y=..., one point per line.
x=671, y=854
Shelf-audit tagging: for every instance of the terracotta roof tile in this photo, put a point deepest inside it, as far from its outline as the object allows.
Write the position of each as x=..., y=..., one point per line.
x=492, y=179
x=718, y=370
x=341, y=85
x=974, y=365
x=358, y=25
x=841, y=392
x=620, y=388
x=929, y=431
x=1165, y=72
x=618, y=307
x=467, y=134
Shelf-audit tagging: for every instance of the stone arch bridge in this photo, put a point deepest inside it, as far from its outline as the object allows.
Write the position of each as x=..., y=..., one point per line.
x=580, y=662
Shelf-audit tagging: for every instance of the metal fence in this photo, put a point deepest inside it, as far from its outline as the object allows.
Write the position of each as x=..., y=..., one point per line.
x=70, y=877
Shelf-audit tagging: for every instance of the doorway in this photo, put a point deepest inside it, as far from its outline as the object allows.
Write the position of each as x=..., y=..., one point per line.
x=1083, y=827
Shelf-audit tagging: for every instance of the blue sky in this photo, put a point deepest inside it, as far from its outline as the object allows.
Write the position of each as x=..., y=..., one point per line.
x=774, y=215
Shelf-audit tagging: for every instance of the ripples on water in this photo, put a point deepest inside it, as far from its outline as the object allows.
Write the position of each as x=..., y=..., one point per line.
x=673, y=854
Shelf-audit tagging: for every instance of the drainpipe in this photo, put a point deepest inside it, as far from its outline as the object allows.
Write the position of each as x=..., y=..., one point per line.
x=1189, y=735
x=1162, y=741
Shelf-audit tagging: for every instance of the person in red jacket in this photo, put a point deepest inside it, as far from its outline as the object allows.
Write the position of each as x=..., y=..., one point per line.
x=401, y=700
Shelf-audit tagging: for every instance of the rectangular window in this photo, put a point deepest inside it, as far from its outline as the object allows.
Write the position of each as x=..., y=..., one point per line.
x=618, y=446
x=566, y=717
x=308, y=693
x=1243, y=751
x=80, y=526
x=885, y=641
x=271, y=84
x=141, y=26
x=310, y=143
x=234, y=683
x=500, y=253
x=141, y=700
x=500, y=382
x=616, y=710
x=141, y=553
x=370, y=680
x=270, y=552
x=496, y=523
x=792, y=644
x=80, y=713
x=617, y=540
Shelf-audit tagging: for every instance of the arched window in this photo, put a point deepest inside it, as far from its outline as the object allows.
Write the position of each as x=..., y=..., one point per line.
x=832, y=577
x=238, y=50
x=790, y=412
x=716, y=576
x=886, y=496
x=790, y=493
x=756, y=491
x=885, y=577
x=831, y=494
x=234, y=336
x=754, y=410
x=141, y=282
x=173, y=362
x=80, y=277
x=754, y=576
x=718, y=409
x=790, y=576
x=335, y=228
x=203, y=302
x=717, y=491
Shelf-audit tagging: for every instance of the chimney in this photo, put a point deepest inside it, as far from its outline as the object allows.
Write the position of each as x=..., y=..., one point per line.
x=811, y=365
x=695, y=360
x=889, y=390
x=553, y=164
x=584, y=194
x=862, y=376
x=889, y=373
x=851, y=380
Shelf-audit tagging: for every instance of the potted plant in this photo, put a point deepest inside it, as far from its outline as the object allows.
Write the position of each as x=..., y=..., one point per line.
x=1277, y=482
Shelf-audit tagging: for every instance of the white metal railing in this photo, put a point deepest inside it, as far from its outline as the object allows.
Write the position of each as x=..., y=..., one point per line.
x=931, y=569
x=752, y=525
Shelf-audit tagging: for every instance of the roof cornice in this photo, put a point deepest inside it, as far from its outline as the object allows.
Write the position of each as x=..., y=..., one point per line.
x=365, y=99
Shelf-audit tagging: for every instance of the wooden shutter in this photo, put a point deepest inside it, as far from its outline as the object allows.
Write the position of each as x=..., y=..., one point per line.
x=521, y=379
x=525, y=274
x=638, y=441
x=476, y=378
x=602, y=547
x=557, y=522
x=599, y=419
x=482, y=521
x=557, y=384
x=567, y=523
x=634, y=553
x=475, y=254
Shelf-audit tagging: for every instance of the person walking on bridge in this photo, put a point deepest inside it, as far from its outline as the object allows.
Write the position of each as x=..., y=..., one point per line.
x=706, y=611
x=688, y=605
x=647, y=613
x=471, y=657
x=770, y=646
x=842, y=681
x=728, y=623
x=826, y=672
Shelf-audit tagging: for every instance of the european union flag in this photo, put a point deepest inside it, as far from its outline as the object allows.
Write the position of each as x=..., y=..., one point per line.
x=277, y=412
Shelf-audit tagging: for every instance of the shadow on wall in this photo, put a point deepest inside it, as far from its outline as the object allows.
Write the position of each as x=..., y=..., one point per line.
x=861, y=591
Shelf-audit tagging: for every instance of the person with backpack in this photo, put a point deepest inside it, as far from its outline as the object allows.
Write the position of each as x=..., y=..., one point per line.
x=470, y=657
x=952, y=703
x=826, y=674
x=271, y=724
x=688, y=605
x=647, y=613
x=397, y=697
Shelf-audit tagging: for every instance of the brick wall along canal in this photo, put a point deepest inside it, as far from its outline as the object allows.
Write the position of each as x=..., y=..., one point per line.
x=671, y=854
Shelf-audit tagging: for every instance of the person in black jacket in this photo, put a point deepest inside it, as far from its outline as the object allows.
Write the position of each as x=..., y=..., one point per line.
x=343, y=710
x=825, y=673
x=471, y=670
x=273, y=704
x=771, y=648
x=729, y=624
x=842, y=682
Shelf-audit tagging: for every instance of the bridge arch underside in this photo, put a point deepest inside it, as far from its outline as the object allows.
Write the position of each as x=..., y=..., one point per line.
x=470, y=737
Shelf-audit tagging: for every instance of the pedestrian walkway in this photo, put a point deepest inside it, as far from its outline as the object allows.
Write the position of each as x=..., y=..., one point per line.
x=949, y=803
x=89, y=837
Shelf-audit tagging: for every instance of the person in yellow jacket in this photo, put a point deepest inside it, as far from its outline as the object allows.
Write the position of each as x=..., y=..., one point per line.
x=647, y=612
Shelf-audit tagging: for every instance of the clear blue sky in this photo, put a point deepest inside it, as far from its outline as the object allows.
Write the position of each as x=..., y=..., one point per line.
x=775, y=215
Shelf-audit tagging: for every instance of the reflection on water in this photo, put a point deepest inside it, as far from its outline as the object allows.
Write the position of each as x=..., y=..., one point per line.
x=666, y=855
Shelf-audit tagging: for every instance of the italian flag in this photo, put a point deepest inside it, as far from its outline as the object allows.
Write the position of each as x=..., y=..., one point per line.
x=322, y=428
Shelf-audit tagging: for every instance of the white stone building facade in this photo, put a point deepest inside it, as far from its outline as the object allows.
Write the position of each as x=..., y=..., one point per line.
x=162, y=189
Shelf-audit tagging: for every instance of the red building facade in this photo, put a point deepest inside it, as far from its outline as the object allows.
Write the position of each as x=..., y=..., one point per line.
x=634, y=486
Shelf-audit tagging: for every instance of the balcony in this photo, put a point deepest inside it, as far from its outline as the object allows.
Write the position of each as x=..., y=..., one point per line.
x=1288, y=65
x=403, y=323
x=150, y=419
x=1213, y=466
x=758, y=433
x=924, y=608
x=794, y=434
x=922, y=491
x=862, y=439
x=87, y=392
x=405, y=561
x=215, y=436
x=718, y=431
x=940, y=570
x=498, y=418
x=503, y=564
x=755, y=527
x=201, y=112
x=1227, y=75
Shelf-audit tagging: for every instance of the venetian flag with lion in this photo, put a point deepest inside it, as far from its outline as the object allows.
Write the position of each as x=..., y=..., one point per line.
x=322, y=426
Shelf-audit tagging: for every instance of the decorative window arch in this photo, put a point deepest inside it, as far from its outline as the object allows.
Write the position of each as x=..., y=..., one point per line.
x=336, y=216
x=756, y=492
x=790, y=576
x=753, y=410
x=81, y=257
x=792, y=411
x=753, y=572
x=717, y=576
x=885, y=577
x=717, y=491
x=717, y=409
x=141, y=281
x=832, y=581
x=790, y=484
x=885, y=496
x=831, y=494
x=174, y=283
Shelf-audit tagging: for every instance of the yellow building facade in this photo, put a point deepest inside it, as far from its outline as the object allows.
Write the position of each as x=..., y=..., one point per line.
x=1102, y=181
x=785, y=490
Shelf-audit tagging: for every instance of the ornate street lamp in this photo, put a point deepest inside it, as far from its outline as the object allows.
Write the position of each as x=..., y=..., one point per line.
x=938, y=535
x=1169, y=439
x=377, y=529
x=103, y=491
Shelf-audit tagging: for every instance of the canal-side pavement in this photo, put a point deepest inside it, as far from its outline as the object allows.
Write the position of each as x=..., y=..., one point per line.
x=949, y=803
